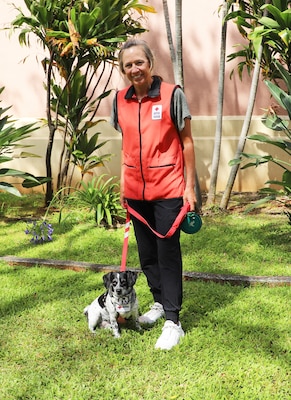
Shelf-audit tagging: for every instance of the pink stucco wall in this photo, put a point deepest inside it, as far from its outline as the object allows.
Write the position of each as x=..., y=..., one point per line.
x=201, y=47
x=24, y=90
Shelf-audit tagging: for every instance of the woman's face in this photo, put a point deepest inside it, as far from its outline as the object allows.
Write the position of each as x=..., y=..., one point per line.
x=136, y=66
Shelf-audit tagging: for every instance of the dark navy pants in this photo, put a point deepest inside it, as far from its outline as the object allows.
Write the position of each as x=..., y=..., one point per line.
x=160, y=259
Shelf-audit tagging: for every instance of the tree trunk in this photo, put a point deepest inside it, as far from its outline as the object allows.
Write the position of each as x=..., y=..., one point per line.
x=179, y=44
x=219, y=118
x=177, y=61
x=246, y=125
x=244, y=132
x=170, y=39
x=52, y=129
x=180, y=81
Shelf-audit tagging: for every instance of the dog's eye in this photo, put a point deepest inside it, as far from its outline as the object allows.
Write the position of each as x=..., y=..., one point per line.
x=123, y=282
x=114, y=282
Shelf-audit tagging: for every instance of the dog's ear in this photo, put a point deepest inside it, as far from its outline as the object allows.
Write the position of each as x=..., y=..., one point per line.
x=132, y=277
x=107, y=279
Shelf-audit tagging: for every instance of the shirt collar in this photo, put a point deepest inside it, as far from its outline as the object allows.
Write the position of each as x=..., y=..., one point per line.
x=153, y=92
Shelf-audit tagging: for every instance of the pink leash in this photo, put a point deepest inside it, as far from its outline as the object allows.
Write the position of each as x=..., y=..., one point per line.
x=125, y=243
x=179, y=219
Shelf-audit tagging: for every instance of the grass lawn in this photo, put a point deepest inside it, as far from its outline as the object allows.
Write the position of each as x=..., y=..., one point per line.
x=237, y=343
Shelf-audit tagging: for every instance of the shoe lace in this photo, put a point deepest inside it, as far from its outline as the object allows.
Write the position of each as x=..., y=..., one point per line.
x=156, y=307
x=171, y=327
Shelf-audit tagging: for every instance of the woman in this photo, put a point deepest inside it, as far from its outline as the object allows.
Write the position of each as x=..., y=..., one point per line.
x=157, y=177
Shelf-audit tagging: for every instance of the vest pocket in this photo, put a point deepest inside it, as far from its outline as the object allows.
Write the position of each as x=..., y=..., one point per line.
x=161, y=166
x=129, y=166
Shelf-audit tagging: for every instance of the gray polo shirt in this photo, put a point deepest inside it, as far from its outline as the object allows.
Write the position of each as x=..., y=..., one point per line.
x=179, y=107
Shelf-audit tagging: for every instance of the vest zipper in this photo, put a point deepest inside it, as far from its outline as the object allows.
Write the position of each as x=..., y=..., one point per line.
x=140, y=148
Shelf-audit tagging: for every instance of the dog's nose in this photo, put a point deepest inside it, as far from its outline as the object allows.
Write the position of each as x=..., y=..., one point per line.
x=118, y=291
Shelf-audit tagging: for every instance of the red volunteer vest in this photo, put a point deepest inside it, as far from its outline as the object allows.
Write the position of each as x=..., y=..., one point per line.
x=153, y=155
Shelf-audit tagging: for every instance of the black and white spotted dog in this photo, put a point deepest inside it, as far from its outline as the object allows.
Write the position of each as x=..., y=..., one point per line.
x=118, y=300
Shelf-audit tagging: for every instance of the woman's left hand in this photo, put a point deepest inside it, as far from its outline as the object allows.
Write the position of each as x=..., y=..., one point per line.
x=190, y=197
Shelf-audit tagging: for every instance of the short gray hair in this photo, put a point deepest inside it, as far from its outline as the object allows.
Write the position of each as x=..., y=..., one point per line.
x=135, y=42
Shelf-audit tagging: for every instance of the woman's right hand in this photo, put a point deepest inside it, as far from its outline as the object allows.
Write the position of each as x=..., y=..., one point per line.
x=122, y=200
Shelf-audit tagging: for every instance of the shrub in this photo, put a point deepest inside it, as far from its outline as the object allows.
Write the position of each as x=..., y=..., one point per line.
x=102, y=197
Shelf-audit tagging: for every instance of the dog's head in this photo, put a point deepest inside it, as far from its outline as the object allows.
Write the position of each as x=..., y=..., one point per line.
x=120, y=283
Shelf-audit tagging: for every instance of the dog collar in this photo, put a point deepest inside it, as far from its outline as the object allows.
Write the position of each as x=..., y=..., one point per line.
x=122, y=309
x=123, y=304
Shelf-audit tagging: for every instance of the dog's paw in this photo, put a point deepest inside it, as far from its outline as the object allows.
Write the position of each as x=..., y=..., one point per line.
x=105, y=325
x=139, y=328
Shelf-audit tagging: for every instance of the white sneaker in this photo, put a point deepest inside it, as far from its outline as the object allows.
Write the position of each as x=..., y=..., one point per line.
x=150, y=317
x=170, y=336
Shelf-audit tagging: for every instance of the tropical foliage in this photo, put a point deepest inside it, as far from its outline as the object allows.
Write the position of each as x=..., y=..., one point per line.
x=273, y=121
x=267, y=23
x=81, y=39
x=83, y=153
x=103, y=197
x=10, y=135
x=265, y=26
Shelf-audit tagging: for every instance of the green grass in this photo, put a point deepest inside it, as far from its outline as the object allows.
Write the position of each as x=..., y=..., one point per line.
x=230, y=243
x=237, y=343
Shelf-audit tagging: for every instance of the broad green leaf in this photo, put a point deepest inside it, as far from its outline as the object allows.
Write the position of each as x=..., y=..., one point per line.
x=285, y=75
x=115, y=40
x=273, y=192
x=85, y=23
x=12, y=172
x=255, y=163
x=58, y=34
x=274, y=122
x=6, y=187
x=256, y=37
x=276, y=92
x=25, y=154
x=31, y=182
x=278, y=20
x=73, y=15
x=142, y=7
x=285, y=35
x=275, y=182
x=103, y=95
x=279, y=142
x=271, y=23
x=242, y=22
x=286, y=100
x=286, y=15
x=241, y=14
x=235, y=161
x=287, y=181
x=259, y=203
x=4, y=159
x=280, y=4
